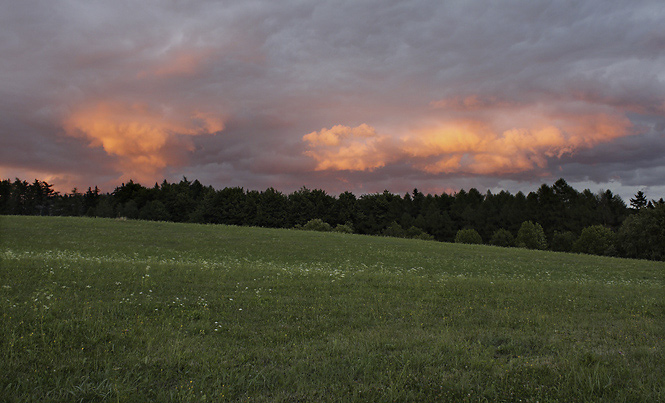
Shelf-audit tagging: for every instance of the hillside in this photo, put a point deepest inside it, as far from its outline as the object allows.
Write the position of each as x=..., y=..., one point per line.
x=103, y=309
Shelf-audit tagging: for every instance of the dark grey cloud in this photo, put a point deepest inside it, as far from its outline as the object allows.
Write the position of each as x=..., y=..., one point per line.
x=276, y=71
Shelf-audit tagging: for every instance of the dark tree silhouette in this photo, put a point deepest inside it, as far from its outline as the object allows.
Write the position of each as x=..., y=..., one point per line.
x=561, y=212
x=639, y=201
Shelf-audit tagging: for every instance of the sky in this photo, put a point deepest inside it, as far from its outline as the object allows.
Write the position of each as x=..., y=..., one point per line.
x=360, y=96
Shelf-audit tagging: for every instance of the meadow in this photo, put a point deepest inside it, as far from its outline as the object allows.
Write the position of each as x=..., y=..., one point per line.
x=124, y=310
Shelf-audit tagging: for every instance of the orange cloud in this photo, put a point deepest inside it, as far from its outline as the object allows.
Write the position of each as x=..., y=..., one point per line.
x=144, y=139
x=448, y=138
x=347, y=148
x=483, y=146
x=472, y=147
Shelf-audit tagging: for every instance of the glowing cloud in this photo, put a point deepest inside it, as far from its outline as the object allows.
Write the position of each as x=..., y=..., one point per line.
x=347, y=148
x=471, y=147
x=486, y=145
x=145, y=139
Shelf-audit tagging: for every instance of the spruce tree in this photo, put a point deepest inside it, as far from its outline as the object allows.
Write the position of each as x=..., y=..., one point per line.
x=640, y=200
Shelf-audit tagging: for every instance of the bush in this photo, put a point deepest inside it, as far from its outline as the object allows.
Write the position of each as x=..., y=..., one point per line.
x=470, y=236
x=502, y=237
x=642, y=235
x=417, y=233
x=344, y=228
x=595, y=240
x=317, y=224
x=563, y=241
x=531, y=236
x=394, y=230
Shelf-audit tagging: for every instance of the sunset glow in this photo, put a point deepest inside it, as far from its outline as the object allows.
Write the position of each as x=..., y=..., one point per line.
x=144, y=139
x=347, y=148
x=361, y=96
x=471, y=147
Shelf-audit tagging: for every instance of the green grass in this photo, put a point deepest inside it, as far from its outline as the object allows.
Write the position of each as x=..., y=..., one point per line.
x=110, y=310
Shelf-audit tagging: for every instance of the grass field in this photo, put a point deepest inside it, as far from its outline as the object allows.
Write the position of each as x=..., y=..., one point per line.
x=110, y=310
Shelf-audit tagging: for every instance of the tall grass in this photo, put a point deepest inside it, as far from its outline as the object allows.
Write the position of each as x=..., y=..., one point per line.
x=99, y=309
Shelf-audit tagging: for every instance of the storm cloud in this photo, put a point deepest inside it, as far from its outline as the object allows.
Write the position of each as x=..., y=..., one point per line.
x=359, y=96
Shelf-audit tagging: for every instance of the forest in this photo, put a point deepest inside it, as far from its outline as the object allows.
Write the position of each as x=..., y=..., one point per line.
x=556, y=217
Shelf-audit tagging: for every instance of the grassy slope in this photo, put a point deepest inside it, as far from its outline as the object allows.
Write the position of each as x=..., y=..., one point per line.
x=99, y=309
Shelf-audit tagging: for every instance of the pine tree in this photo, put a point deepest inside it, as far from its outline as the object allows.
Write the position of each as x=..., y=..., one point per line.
x=640, y=200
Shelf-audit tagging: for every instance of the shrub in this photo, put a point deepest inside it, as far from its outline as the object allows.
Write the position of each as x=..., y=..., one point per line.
x=595, y=240
x=424, y=237
x=417, y=233
x=502, y=237
x=470, y=236
x=563, y=241
x=317, y=224
x=531, y=236
x=394, y=230
x=642, y=235
x=344, y=228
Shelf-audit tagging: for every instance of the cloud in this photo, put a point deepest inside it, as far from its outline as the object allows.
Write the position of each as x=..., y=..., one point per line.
x=468, y=103
x=407, y=93
x=487, y=145
x=180, y=62
x=145, y=139
x=347, y=148
x=487, y=149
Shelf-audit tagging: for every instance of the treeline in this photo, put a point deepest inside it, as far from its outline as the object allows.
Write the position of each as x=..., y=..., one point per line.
x=565, y=216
